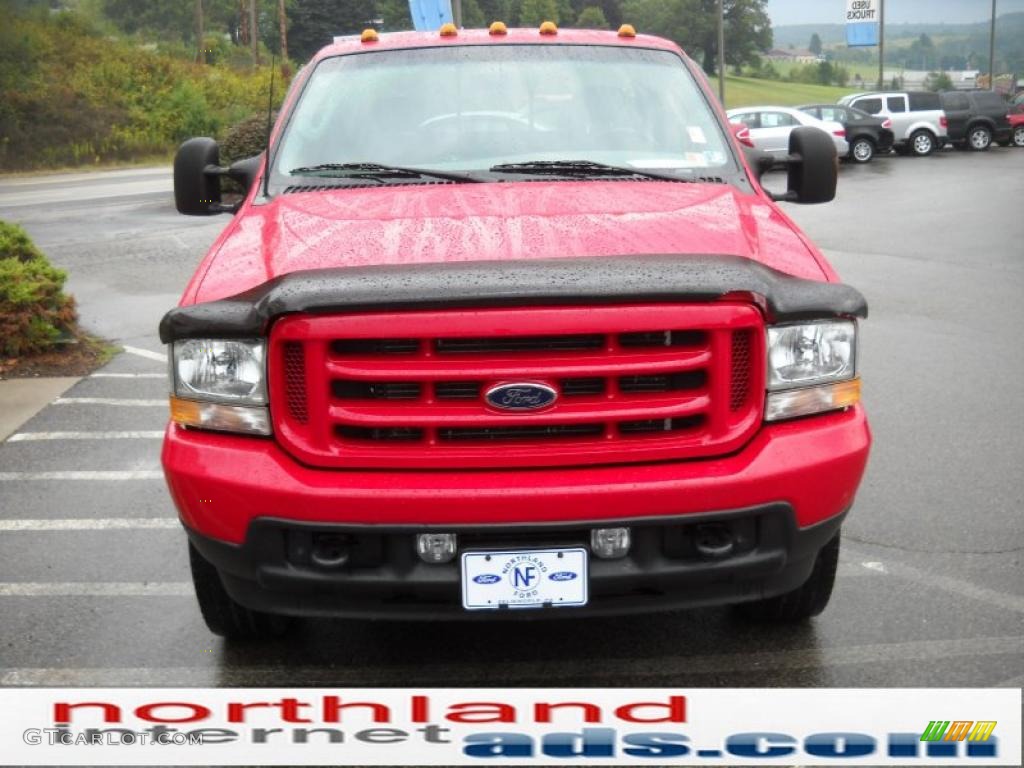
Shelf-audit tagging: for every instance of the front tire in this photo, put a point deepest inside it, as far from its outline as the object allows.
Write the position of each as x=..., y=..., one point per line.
x=805, y=601
x=979, y=139
x=922, y=143
x=1018, y=136
x=862, y=151
x=224, y=616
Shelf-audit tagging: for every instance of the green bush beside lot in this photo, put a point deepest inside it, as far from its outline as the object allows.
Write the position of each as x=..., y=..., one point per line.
x=34, y=310
x=73, y=96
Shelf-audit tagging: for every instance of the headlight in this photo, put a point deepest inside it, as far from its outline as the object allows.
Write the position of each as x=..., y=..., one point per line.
x=220, y=370
x=220, y=384
x=811, y=353
x=812, y=368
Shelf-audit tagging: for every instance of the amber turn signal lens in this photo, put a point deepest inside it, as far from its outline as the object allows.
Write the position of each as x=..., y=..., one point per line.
x=792, y=403
x=246, y=419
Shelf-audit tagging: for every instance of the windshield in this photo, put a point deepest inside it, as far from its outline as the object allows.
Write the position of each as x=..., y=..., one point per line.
x=471, y=108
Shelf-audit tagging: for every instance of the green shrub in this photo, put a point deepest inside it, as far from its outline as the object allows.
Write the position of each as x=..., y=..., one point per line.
x=34, y=310
x=244, y=139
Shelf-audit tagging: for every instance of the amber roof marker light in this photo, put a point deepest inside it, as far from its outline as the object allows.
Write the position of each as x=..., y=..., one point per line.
x=498, y=28
x=449, y=30
x=549, y=28
x=369, y=36
x=627, y=30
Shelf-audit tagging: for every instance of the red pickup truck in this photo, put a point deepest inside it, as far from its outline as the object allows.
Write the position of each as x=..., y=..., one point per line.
x=506, y=327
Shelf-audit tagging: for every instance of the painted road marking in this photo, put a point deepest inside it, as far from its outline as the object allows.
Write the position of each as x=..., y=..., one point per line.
x=92, y=524
x=95, y=589
x=130, y=402
x=973, y=592
x=128, y=376
x=139, y=352
x=135, y=474
x=25, y=437
x=915, y=651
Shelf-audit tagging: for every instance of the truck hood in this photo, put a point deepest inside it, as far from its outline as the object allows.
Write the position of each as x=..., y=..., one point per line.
x=497, y=221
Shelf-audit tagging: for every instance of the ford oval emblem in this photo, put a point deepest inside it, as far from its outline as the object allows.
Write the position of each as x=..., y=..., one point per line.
x=487, y=578
x=562, y=576
x=524, y=396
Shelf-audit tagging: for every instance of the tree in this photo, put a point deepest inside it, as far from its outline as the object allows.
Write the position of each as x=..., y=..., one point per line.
x=534, y=12
x=693, y=24
x=314, y=23
x=472, y=15
x=815, y=45
x=200, y=50
x=592, y=17
x=282, y=21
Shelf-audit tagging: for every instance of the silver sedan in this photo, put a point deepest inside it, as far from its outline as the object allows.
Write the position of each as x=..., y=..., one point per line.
x=770, y=127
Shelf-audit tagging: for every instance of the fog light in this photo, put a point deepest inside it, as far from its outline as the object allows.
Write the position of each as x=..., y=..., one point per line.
x=609, y=543
x=436, y=547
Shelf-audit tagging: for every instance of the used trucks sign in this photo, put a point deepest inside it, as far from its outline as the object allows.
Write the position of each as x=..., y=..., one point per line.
x=862, y=19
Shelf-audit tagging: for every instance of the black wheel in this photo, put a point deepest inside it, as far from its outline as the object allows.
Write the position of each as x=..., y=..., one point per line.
x=922, y=143
x=804, y=602
x=223, y=615
x=862, y=150
x=1018, y=136
x=979, y=138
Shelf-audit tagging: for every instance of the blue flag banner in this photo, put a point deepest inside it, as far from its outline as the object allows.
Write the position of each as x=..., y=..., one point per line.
x=429, y=15
x=862, y=20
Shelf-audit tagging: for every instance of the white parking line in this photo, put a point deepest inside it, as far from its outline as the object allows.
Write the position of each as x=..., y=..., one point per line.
x=94, y=589
x=130, y=402
x=972, y=592
x=562, y=669
x=92, y=524
x=136, y=474
x=128, y=376
x=25, y=437
x=139, y=352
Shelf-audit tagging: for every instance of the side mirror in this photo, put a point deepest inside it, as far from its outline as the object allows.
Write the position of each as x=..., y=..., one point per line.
x=197, y=175
x=813, y=167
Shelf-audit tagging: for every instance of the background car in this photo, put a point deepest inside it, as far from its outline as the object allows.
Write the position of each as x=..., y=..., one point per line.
x=866, y=134
x=976, y=118
x=770, y=127
x=918, y=120
x=1016, y=129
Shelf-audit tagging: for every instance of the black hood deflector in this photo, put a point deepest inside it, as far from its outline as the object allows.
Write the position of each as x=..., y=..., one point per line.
x=606, y=280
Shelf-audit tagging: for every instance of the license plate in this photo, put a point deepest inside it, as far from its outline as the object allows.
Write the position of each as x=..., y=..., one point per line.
x=524, y=579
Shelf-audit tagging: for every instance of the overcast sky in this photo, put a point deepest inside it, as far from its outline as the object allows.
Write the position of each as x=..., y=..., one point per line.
x=785, y=12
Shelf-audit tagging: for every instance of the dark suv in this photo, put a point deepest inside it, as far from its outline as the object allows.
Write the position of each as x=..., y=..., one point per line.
x=976, y=118
x=866, y=134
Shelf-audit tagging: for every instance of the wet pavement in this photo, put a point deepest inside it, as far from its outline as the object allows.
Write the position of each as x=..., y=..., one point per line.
x=94, y=586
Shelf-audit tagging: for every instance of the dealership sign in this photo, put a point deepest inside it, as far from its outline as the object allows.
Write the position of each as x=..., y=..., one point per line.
x=862, y=21
x=510, y=726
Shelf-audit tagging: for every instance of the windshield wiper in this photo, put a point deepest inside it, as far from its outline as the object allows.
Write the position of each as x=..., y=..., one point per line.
x=377, y=172
x=581, y=168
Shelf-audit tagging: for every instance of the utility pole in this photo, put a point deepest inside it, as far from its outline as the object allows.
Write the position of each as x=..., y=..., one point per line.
x=282, y=19
x=992, y=50
x=200, y=34
x=881, y=46
x=254, y=36
x=721, y=51
x=457, y=13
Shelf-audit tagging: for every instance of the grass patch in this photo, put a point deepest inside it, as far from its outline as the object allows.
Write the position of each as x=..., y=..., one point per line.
x=749, y=91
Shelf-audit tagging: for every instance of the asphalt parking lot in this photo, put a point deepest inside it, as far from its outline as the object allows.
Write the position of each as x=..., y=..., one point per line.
x=94, y=585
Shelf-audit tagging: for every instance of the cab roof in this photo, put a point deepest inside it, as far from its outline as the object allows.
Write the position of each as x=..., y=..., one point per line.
x=400, y=40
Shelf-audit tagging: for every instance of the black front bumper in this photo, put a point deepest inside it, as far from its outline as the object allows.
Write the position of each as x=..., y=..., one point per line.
x=383, y=578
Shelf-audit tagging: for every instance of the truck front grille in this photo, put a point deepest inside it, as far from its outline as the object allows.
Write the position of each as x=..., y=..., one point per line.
x=407, y=390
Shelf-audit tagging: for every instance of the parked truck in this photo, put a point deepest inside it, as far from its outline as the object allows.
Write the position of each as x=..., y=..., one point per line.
x=506, y=327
